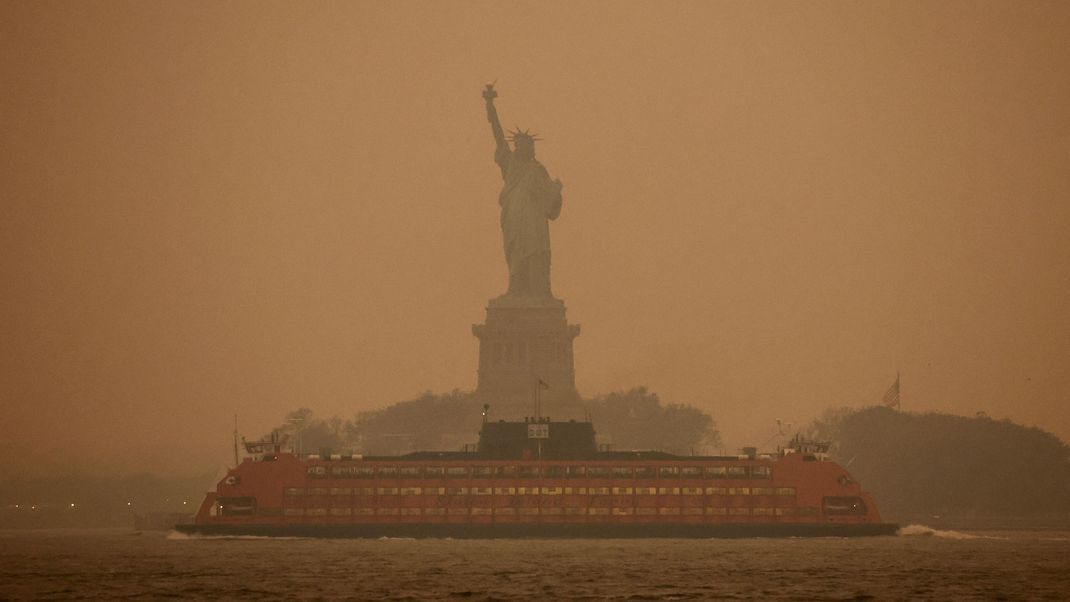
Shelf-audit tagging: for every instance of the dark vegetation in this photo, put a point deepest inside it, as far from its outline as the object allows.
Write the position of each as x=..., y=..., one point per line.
x=925, y=466
x=635, y=419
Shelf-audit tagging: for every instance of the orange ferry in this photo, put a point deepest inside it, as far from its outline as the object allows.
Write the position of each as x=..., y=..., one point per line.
x=539, y=478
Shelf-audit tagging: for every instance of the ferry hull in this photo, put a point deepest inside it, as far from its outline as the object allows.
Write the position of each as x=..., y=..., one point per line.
x=542, y=531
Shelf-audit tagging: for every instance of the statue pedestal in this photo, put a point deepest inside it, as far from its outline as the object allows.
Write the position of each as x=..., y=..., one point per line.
x=522, y=342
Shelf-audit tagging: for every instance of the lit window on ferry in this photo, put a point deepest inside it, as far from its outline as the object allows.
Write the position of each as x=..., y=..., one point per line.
x=598, y=472
x=505, y=472
x=716, y=472
x=551, y=491
x=482, y=471
x=482, y=511
x=317, y=472
x=714, y=511
x=410, y=491
x=387, y=491
x=434, y=471
x=457, y=511
x=434, y=511
x=553, y=472
x=341, y=491
x=456, y=491
x=575, y=511
x=482, y=490
x=668, y=471
x=691, y=490
x=623, y=510
x=716, y=491
x=737, y=472
x=692, y=510
x=762, y=491
x=668, y=491
x=597, y=511
x=316, y=512
x=646, y=491
x=386, y=511
x=294, y=491
x=785, y=491
x=409, y=472
x=761, y=472
x=293, y=511
x=317, y=491
x=844, y=505
x=388, y=471
x=739, y=491
x=785, y=511
x=505, y=490
x=691, y=472
x=739, y=511
x=762, y=512
x=576, y=471
x=622, y=491
x=645, y=472
x=598, y=490
x=410, y=511
x=364, y=511
x=434, y=491
x=457, y=471
x=622, y=472
x=364, y=491
x=362, y=472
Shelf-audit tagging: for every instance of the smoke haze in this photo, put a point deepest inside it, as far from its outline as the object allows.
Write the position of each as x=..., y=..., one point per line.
x=770, y=208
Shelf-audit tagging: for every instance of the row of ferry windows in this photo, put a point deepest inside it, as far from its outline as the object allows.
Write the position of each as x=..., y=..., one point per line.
x=616, y=511
x=595, y=472
x=780, y=491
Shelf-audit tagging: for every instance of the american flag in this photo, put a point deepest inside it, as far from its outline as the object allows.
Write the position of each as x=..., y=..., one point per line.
x=891, y=396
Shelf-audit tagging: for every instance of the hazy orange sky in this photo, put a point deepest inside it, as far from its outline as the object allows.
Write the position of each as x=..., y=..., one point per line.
x=243, y=208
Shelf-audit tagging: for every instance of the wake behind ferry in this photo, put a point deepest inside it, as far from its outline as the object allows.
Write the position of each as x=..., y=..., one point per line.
x=538, y=478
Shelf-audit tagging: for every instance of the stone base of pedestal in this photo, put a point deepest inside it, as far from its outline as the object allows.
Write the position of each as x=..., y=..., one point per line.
x=520, y=344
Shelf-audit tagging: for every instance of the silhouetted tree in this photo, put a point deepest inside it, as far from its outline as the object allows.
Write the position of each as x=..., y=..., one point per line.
x=636, y=419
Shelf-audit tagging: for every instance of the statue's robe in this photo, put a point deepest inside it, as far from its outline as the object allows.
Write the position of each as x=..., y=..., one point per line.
x=528, y=200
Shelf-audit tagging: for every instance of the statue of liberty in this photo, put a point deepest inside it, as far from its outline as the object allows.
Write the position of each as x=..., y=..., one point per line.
x=529, y=199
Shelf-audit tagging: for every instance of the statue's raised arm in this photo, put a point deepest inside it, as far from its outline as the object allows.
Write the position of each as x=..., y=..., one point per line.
x=501, y=151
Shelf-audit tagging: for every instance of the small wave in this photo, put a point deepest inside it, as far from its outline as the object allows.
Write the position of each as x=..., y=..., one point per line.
x=385, y=538
x=926, y=531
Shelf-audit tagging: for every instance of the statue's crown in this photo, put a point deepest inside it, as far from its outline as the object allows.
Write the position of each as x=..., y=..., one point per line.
x=518, y=135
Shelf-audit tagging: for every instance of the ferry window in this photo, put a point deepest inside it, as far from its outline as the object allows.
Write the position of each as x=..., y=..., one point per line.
x=551, y=491
x=363, y=490
x=841, y=505
x=341, y=511
x=552, y=510
x=622, y=491
x=317, y=491
x=341, y=491
x=668, y=471
x=456, y=491
x=761, y=472
x=316, y=512
x=434, y=471
x=387, y=491
x=739, y=491
x=785, y=511
x=716, y=472
x=739, y=511
x=668, y=511
x=434, y=490
x=691, y=472
x=388, y=471
x=362, y=472
x=505, y=490
x=386, y=511
x=737, y=472
x=482, y=490
x=763, y=512
x=434, y=511
x=409, y=471
x=716, y=511
x=410, y=491
x=527, y=490
x=293, y=511
x=575, y=511
x=598, y=472
x=785, y=491
x=668, y=491
x=554, y=472
x=505, y=472
x=762, y=491
x=716, y=491
x=527, y=471
x=294, y=491
x=645, y=472
x=237, y=506
x=692, y=490
x=410, y=511
x=646, y=511
x=646, y=490
x=457, y=471
x=598, y=490
x=317, y=472
x=505, y=511
x=482, y=471
x=622, y=472
x=576, y=471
